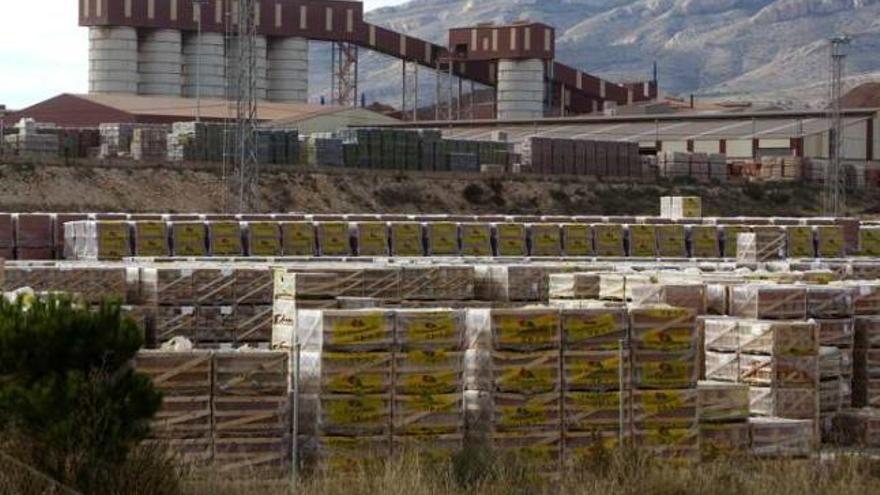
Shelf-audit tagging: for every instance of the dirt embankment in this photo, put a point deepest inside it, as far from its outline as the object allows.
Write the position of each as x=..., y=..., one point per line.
x=25, y=187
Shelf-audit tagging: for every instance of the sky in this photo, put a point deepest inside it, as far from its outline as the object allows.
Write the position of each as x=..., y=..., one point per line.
x=43, y=52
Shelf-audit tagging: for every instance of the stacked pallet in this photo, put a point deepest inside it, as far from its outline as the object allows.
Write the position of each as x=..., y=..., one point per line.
x=511, y=239
x=679, y=207
x=545, y=239
x=90, y=284
x=866, y=379
x=595, y=380
x=251, y=413
x=665, y=368
x=347, y=384
x=224, y=238
x=577, y=240
x=97, y=240
x=34, y=236
x=31, y=141
x=703, y=241
x=210, y=306
x=183, y=425
x=7, y=237
x=833, y=311
x=371, y=238
x=723, y=415
x=151, y=238
x=149, y=144
x=188, y=238
x=429, y=380
x=526, y=386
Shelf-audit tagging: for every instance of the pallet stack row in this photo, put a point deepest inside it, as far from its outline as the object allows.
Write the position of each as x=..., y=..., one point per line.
x=581, y=157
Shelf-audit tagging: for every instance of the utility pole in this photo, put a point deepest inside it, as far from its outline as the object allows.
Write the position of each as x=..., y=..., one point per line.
x=835, y=186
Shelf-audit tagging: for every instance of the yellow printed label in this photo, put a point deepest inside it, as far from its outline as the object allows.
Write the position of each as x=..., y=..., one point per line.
x=663, y=402
x=691, y=207
x=146, y=229
x=444, y=238
x=406, y=239
x=594, y=373
x=299, y=239
x=800, y=242
x=361, y=329
x=667, y=339
x=642, y=240
x=428, y=328
x=870, y=242
x=356, y=411
x=264, y=246
x=225, y=229
x=581, y=327
x=704, y=240
x=372, y=239
x=113, y=230
x=666, y=374
x=443, y=382
x=333, y=239
x=667, y=436
x=593, y=401
x=546, y=240
x=511, y=239
x=528, y=380
x=830, y=241
x=147, y=246
x=359, y=383
x=577, y=240
x=225, y=245
x=263, y=230
x=525, y=415
x=671, y=240
x=430, y=403
x=189, y=232
x=609, y=240
x=730, y=236
x=476, y=240
x=527, y=330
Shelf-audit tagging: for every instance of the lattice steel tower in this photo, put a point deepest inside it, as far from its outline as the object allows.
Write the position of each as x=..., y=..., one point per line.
x=835, y=179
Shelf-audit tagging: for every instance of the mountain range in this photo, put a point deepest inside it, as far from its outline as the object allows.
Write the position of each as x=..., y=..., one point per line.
x=768, y=50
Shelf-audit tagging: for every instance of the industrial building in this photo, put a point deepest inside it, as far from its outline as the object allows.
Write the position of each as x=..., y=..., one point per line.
x=189, y=48
x=739, y=135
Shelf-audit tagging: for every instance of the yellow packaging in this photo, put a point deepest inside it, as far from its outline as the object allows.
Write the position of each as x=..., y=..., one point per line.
x=443, y=238
x=526, y=328
x=609, y=239
x=673, y=372
x=704, y=242
x=592, y=370
x=113, y=249
x=264, y=239
x=333, y=239
x=225, y=238
x=546, y=240
x=428, y=414
x=591, y=410
x=666, y=339
x=364, y=328
x=584, y=328
x=527, y=379
x=800, y=241
x=730, y=234
x=436, y=327
x=355, y=372
x=534, y=412
x=577, y=239
x=189, y=239
x=869, y=240
x=511, y=239
x=831, y=243
x=372, y=239
x=406, y=239
x=642, y=241
x=149, y=228
x=357, y=411
x=298, y=238
x=476, y=239
x=671, y=241
x=691, y=207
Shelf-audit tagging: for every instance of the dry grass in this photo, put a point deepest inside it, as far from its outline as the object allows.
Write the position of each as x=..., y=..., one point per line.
x=614, y=474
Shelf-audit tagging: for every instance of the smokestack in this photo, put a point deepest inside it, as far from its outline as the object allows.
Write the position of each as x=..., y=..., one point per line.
x=692, y=101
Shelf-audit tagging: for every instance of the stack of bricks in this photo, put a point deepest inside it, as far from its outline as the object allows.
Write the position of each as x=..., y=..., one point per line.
x=34, y=239
x=832, y=309
x=665, y=370
x=724, y=419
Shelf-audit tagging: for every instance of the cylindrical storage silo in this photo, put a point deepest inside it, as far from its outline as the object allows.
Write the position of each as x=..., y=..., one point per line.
x=160, y=62
x=113, y=60
x=520, y=89
x=260, y=66
x=288, y=69
x=209, y=74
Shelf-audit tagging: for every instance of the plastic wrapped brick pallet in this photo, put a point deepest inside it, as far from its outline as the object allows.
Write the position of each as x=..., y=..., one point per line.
x=576, y=286
x=772, y=302
x=577, y=240
x=442, y=239
x=704, y=241
x=511, y=239
x=476, y=239
x=545, y=239
x=298, y=239
x=406, y=239
x=188, y=238
x=722, y=401
x=780, y=437
x=333, y=238
x=224, y=238
x=263, y=238
x=372, y=238
x=609, y=239
x=642, y=241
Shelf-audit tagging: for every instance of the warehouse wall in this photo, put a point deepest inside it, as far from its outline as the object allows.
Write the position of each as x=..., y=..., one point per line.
x=675, y=146
x=739, y=148
x=707, y=146
x=816, y=145
x=855, y=141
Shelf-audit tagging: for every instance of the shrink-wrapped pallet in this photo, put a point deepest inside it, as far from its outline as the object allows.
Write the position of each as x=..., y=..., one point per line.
x=298, y=239
x=722, y=401
x=173, y=321
x=799, y=239
x=577, y=240
x=333, y=239
x=512, y=283
x=665, y=370
x=662, y=328
x=721, y=440
x=775, y=338
x=371, y=238
x=527, y=373
x=642, y=241
x=428, y=414
x=595, y=371
x=830, y=241
x=442, y=239
x=671, y=241
x=669, y=442
x=857, y=428
x=511, y=239
x=704, y=241
x=476, y=239
x=184, y=378
x=594, y=411
x=345, y=330
x=545, y=239
x=829, y=302
x=97, y=240
x=867, y=332
x=574, y=285
x=526, y=413
x=355, y=415
x=729, y=236
x=166, y=285
x=670, y=408
x=338, y=454
x=830, y=396
x=151, y=238
x=253, y=285
x=224, y=238
x=780, y=437
x=771, y=302
x=253, y=324
x=609, y=239
x=406, y=239
x=865, y=296
x=214, y=324
x=690, y=295
x=760, y=246
x=526, y=329
x=619, y=286
x=597, y=328
x=188, y=238
x=434, y=329
x=213, y=286
x=796, y=403
x=778, y=371
x=263, y=238
x=680, y=207
x=830, y=362
x=869, y=240
x=866, y=377
x=840, y=332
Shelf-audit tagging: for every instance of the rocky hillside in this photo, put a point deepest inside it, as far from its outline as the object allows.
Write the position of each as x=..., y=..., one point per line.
x=774, y=49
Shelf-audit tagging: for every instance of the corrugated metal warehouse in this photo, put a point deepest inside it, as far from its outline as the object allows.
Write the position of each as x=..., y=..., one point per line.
x=739, y=135
x=91, y=110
